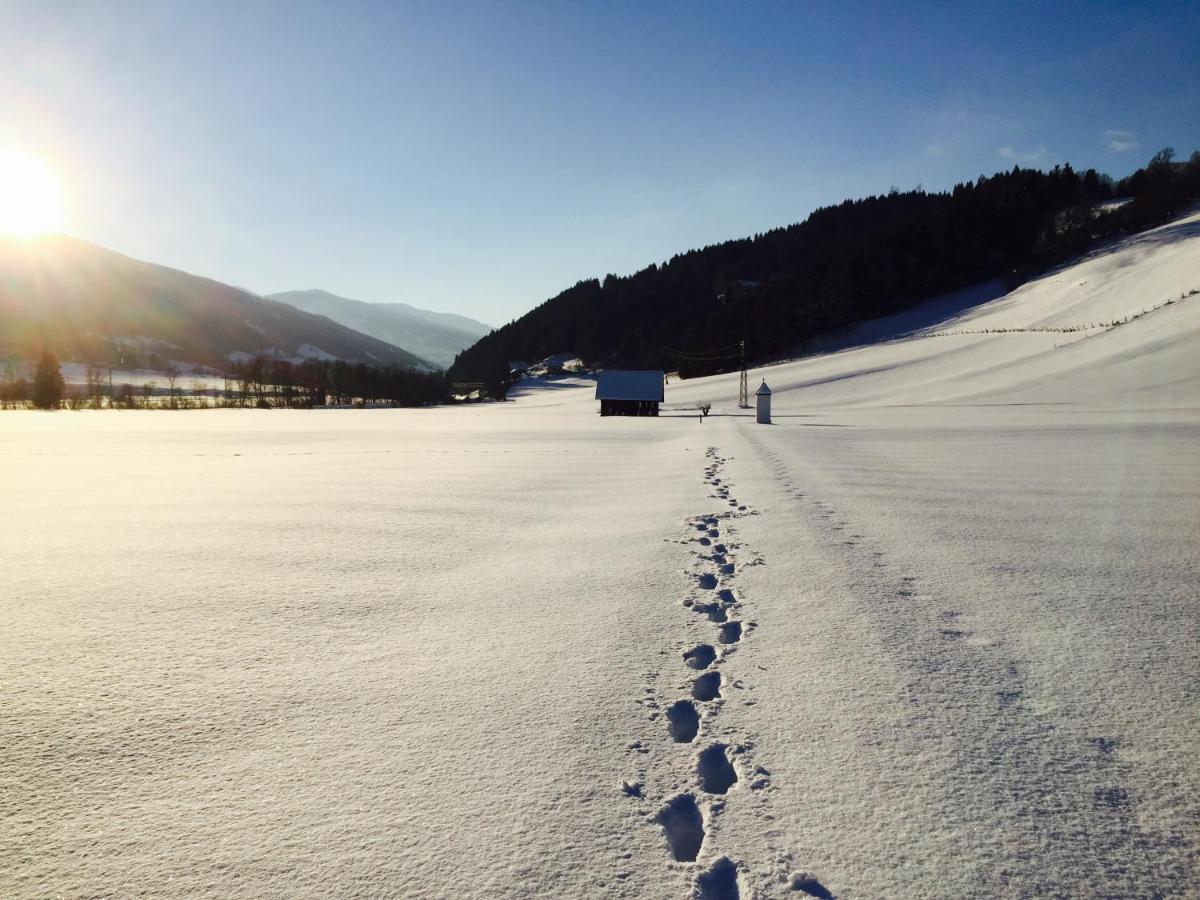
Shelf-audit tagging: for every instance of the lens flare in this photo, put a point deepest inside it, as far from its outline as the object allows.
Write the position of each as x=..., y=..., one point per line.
x=30, y=199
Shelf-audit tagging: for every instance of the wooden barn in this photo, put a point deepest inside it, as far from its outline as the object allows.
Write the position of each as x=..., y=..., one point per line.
x=629, y=393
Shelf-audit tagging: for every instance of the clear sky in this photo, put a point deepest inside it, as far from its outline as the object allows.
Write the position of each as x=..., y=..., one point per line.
x=479, y=158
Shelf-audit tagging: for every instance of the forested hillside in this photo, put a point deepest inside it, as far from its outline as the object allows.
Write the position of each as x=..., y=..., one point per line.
x=843, y=264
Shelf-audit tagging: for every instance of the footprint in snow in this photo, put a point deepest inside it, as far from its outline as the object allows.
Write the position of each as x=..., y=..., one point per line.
x=700, y=657
x=714, y=771
x=707, y=686
x=714, y=611
x=730, y=633
x=683, y=721
x=1106, y=746
x=718, y=882
x=683, y=827
x=808, y=884
x=1112, y=797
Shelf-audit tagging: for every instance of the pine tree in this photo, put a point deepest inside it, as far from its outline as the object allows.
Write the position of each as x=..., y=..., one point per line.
x=48, y=385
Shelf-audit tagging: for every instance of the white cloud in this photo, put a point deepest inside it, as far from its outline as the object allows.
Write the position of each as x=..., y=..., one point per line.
x=1018, y=156
x=935, y=150
x=1120, y=141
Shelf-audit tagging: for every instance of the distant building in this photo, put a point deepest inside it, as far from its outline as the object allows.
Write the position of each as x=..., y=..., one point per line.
x=763, y=399
x=629, y=393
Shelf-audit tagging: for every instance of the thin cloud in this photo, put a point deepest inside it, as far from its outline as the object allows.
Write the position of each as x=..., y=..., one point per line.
x=1018, y=156
x=1120, y=141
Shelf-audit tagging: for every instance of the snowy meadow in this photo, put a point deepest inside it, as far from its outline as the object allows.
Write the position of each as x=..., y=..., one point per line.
x=933, y=633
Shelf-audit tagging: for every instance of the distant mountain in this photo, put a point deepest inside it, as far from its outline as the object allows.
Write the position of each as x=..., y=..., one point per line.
x=437, y=337
x=90, y=304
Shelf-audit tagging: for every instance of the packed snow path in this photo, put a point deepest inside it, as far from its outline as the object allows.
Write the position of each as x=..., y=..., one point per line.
x=942, y=643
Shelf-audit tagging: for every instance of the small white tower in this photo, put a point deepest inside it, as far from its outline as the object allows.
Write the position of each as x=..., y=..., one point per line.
x=763, y=397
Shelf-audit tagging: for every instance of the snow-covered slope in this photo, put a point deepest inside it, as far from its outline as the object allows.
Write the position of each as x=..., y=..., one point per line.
x=931, y=634
x=1051, y=340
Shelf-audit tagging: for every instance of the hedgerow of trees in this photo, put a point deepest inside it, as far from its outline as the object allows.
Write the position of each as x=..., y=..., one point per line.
x=266, y=382
x=260, y=382
x=855, y=261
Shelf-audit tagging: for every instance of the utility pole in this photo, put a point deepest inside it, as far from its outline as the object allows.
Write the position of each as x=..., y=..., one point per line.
x=743, y=385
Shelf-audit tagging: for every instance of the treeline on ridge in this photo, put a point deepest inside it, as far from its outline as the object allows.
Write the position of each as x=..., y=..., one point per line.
x=844, y=264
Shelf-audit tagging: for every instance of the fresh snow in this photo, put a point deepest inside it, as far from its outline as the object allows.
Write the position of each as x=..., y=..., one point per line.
x=931, y=634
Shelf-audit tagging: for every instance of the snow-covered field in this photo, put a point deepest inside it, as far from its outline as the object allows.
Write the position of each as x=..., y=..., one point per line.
x=931, y=634
x=76, y=373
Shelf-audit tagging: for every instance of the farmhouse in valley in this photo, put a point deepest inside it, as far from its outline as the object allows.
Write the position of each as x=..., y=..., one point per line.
x=629, y=393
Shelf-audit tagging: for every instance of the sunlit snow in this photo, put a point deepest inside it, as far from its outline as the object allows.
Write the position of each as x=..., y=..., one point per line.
x=931, y=634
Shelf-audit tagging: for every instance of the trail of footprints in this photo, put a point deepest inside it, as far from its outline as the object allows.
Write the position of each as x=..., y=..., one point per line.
x=686, y=818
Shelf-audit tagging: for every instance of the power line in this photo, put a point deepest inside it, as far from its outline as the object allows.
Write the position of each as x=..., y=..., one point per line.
x=717, y=353
x=716, y=360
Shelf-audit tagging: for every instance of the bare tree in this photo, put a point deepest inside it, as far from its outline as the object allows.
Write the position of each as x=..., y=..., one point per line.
x=94, y=389
x=172, y=375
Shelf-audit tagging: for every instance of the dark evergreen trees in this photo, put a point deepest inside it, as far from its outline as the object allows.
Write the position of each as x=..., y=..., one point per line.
x=313, y=382
x=48, y=385
x=843, y=264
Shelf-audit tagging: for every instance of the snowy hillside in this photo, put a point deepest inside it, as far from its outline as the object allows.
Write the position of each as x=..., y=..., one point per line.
x=1051, y=340
x=931, y=634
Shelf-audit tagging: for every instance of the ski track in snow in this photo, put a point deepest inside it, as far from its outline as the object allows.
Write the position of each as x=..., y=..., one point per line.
x=977, y=691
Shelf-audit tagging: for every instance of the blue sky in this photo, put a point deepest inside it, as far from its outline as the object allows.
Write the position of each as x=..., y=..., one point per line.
x=479, y=158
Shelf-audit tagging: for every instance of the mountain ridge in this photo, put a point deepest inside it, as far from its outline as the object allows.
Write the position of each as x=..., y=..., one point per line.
x=90, y=303
x=435, y=336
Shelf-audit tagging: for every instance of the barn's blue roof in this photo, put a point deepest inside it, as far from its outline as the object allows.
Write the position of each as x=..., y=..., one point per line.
x=626, y=384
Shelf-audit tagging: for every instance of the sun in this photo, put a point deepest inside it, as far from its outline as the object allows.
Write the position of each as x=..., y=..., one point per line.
x=30, y=200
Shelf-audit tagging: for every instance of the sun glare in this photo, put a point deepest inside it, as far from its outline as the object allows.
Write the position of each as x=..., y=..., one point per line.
x=30, y=201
